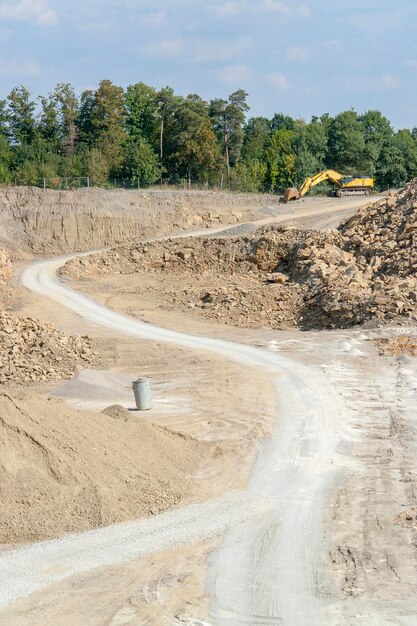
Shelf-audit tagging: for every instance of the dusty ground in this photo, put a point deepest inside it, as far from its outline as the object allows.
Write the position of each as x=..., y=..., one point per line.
x=367, y=574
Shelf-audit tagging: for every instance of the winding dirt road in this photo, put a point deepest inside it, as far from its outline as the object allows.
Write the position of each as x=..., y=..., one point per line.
x=264, y=572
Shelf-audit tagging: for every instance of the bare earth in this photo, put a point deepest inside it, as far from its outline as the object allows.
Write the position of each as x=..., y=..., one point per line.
x=332, y=541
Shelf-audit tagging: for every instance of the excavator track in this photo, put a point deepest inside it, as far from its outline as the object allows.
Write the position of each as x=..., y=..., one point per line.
x=343, y=193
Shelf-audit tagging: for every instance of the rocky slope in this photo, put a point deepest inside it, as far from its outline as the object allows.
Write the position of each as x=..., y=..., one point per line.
x=53, y=222
x=365, y=270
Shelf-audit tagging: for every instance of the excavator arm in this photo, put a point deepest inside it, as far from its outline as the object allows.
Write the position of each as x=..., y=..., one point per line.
x=332, y=175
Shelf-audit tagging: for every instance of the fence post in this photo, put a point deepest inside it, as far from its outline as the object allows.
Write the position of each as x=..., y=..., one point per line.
x=44, y=183
x=88, y=182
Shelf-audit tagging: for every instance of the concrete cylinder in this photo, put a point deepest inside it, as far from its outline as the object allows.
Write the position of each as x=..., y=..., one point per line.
x=143, y=394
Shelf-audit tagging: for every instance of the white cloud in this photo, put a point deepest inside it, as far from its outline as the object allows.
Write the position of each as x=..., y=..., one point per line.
x=155, y=18
x=297, y=53
x=332, y=43
x=274, y=6
x=390, y=81
x=15, y=67
x=215, y=51
x=279, y=81
x=169, y=48
x=228, y=9
x=234, y=74
x=304, y=10
x=37, y=11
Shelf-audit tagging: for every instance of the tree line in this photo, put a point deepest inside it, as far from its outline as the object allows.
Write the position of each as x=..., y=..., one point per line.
x=149, y=136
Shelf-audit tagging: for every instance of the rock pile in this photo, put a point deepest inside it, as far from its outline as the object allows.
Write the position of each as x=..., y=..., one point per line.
x=370, y=270
x=31, y=351
x=365, y=270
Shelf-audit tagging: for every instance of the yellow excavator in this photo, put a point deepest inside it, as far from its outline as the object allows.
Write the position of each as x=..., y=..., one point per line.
x=346, y=185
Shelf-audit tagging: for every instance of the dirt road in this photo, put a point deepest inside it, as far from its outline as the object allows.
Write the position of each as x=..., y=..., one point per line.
x=265, y=567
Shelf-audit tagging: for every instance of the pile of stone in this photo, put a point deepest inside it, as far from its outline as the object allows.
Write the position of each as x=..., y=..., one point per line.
x=31, y=351
x=368, y=269
x=365, y=270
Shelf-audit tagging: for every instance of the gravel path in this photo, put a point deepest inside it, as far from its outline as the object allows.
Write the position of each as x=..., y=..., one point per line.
x=265, y=570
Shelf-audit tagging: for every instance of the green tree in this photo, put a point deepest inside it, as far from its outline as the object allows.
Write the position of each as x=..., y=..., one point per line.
x=377, y=131
x=168, y=104
x=21, y=116
x=48, y=121
x=228, y=117
x=142, y=112
x=4, y=119
x=257, y=134
x=108, y=124
x=142, y=164
x=282, y=122
x=309, y=144
x=280, y=160
x=407, y=146
x=68, y=114
x=346, y=152
x=84, y=119
x=195, y=149
x=96, y=166
x=392, y=171
x=5, y=160
x=249, y=176
x=36, y=161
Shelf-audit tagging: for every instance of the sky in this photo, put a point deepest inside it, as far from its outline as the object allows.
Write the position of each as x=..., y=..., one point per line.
x=300, y=58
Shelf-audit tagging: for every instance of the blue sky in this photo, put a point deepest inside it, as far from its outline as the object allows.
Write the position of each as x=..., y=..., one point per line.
x=300, y=58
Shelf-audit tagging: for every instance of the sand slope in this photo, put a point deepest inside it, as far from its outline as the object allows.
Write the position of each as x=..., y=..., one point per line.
x=63, y=471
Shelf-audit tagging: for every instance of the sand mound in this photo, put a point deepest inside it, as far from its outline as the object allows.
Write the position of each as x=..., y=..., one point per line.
x=66, y=471
x=285, y=277
x=31, y=351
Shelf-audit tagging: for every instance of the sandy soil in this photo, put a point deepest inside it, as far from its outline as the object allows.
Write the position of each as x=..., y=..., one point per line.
x=338, y=545
x=67, y=471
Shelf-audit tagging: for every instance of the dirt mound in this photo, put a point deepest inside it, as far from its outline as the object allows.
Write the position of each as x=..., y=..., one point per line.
x=67, y=471
x=31, y=351
x=285, y=277
x=61, y=221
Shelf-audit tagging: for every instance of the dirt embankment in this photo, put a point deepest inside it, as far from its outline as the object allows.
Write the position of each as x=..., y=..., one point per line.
x=67, y=471
x=367, y=269
x=55, y=222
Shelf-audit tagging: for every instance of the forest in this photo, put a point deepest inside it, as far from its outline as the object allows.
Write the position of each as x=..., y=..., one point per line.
x=144, y=136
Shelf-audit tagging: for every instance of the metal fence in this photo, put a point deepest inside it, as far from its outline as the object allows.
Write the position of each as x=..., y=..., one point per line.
x=83, y=182
x=65, y=183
